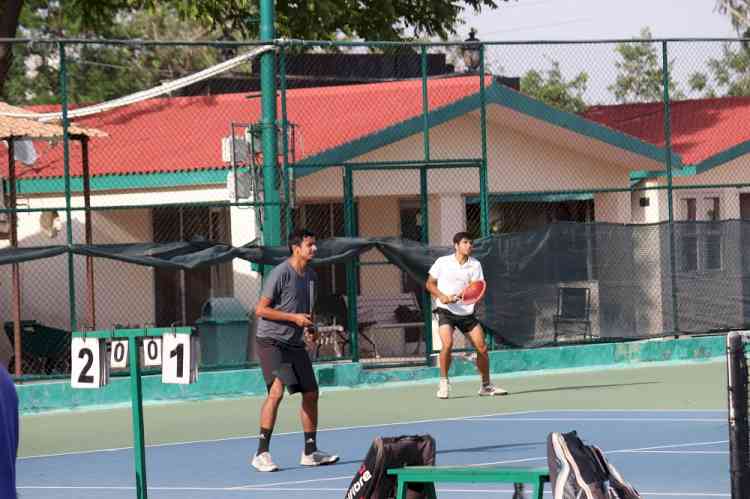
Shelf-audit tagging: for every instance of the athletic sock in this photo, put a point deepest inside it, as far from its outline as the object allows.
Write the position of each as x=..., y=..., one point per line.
x=310, y=444
x=264, y=440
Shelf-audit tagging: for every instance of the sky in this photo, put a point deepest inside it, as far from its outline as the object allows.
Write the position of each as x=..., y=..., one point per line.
x=571, y=20
x=598, y=19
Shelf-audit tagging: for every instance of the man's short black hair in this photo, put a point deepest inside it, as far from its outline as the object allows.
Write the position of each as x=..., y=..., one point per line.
x=461, y=235
x=297, y=236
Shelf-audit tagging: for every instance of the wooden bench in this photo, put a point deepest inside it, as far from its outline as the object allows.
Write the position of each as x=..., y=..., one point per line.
x=430, y=475
x=378, y=312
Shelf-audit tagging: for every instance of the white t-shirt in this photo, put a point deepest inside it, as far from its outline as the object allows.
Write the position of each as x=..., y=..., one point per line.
x=452, y=278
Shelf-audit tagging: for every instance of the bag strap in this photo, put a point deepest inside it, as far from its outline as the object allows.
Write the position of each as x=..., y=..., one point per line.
x=622, y=489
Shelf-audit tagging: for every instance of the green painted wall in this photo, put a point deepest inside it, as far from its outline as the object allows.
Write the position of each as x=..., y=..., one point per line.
x=58, y=395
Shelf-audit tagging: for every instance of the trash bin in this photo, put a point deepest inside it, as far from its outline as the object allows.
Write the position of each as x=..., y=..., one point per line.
x=224, y=328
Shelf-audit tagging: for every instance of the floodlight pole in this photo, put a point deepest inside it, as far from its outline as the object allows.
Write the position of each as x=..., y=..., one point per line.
x=271, y=198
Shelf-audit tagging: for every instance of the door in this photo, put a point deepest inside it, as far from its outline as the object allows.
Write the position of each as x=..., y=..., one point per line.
x=180, y=294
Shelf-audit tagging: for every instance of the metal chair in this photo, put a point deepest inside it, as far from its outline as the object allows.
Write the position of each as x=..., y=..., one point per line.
x=573, y=307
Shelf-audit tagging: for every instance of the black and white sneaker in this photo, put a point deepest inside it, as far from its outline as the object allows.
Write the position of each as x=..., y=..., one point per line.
x=318, y=458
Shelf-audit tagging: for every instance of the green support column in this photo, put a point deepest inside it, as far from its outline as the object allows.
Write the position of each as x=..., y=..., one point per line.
x=136, y=401
x=66, y=175
x=483, y=177
x=136, y=391
x=484, y=215
x=271, y=199
x=351, y=265
x=285, y=148
x=668, y=166
x=423, y=207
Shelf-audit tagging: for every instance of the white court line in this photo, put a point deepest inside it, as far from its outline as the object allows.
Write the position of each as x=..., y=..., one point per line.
x=294, y=482
x=683, y=452
x=509, y=461
x=618, y=451
x=491, y=491
x=342, y=490
x=508, y=416
x=229, y=439
x=626, y=420
x=397, y=423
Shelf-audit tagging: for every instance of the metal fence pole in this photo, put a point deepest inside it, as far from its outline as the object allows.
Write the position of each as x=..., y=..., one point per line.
x=423, y=205
x=271, y=208
x=668, y=166
x=66, y=174
x=351, y=265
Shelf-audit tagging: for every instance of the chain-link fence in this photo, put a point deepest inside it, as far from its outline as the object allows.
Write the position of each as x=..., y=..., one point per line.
x=165, y=147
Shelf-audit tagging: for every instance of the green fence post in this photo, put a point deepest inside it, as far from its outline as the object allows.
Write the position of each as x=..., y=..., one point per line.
x=423, y=206
x=136, y=404
x=271, y=207
x=66, y=179
x=351, y=265
x=668, y=166
x=286, y=171
x=484, y=224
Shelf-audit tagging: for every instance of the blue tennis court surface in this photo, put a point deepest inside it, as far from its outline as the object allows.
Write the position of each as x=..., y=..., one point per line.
x=662, y=453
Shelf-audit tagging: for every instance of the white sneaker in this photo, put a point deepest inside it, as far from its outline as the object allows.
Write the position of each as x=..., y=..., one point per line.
x=489, y=390
x=444, y=389
x=317, y=458
x=264, y=462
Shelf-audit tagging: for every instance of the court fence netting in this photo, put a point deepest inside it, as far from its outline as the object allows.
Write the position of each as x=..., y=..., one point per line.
x=738, y=352
x=609, y=203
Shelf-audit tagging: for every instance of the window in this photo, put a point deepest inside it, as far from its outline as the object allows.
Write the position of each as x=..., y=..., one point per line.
x=701, y=243
x=180, y=294
x=712, y=240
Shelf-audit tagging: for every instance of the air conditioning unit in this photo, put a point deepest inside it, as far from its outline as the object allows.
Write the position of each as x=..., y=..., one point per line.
x=236, y=144
x=239, y=188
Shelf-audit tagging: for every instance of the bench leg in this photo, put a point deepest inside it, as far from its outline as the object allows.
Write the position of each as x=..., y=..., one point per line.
x=539, y=489
x=400, y=489
x=429, y=489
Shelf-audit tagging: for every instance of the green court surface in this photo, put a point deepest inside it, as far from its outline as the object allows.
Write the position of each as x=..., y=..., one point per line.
x=666, y=386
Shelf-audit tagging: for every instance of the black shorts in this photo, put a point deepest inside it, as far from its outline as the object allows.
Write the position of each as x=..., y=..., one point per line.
x=464, y=323
x=291, y=364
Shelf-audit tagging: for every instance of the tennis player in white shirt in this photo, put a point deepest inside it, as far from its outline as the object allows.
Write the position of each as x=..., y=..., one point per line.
x=448, y=277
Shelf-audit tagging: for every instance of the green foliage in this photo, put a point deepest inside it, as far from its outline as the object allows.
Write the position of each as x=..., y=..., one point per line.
x=639, y=73
x=739, y=14
x=101, y=72
x=727, y=75
x=552, y=88
x=306, y=19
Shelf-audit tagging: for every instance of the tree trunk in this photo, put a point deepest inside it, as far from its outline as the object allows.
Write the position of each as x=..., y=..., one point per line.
x=10, y=11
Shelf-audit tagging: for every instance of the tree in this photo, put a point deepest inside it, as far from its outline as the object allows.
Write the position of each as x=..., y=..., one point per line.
x=101, y=72
x=552, y=88
x=739, y=13
x=239, y=19
x=730, y=73
x=10, y=12
x=727, y=75
x=640, y=75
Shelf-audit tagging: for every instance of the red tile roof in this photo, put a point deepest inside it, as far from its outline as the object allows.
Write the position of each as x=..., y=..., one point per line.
x=184, y=133
x=700, y=128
